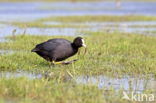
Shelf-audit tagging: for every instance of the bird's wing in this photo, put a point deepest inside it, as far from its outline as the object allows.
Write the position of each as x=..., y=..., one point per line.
x=51, y=44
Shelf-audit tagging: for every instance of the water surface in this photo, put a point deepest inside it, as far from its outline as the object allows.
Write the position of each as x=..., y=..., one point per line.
x=126, y=83
x=138, y=27
x=19, y=74
x=34, y=10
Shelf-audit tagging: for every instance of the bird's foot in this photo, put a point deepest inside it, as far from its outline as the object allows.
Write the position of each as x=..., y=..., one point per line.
x=69, y=62
x=54, y=63
x=64, y=62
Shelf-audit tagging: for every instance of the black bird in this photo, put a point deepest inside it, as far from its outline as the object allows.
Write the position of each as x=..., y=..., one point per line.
x=55, y=50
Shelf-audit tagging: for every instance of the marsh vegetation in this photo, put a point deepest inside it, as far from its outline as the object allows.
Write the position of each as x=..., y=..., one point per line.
x=114, y=55
x=120, y=57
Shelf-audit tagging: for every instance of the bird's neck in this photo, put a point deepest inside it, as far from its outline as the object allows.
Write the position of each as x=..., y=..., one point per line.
x=74, y=46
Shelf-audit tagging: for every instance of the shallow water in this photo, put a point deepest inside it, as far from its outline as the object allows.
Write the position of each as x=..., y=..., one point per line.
x=35, y=10
x=2, y=52
x=141, y=27
x=18, y=74
x=126, y=83
x=109, y=8
x=6, y=31
x=2, y=39
x=128, y=27
x=31, y=11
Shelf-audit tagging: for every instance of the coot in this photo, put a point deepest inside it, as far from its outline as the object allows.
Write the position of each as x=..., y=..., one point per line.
x=58, y=49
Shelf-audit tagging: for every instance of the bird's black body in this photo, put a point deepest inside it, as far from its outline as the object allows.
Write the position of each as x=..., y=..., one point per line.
x=57, y=49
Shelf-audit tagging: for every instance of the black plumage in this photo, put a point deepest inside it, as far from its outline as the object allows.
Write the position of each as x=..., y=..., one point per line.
x=58, y=49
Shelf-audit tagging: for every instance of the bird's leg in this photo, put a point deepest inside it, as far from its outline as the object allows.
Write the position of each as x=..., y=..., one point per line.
x=64, y=62
x=54, y=63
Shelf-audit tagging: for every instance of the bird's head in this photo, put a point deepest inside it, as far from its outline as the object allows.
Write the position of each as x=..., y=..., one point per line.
x=79, y=42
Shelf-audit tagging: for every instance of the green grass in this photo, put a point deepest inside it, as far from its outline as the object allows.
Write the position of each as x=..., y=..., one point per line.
x=68, y=21
x=113, y=54
x=22, y=90
x=39, y=24
x=100, y=18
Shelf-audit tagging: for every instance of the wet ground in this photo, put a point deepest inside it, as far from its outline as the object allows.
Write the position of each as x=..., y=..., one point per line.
x=144, y=27
x=127, y=83
x=32, y=11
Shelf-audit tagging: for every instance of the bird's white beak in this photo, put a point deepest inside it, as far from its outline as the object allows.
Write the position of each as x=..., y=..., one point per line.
x=84, y=45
